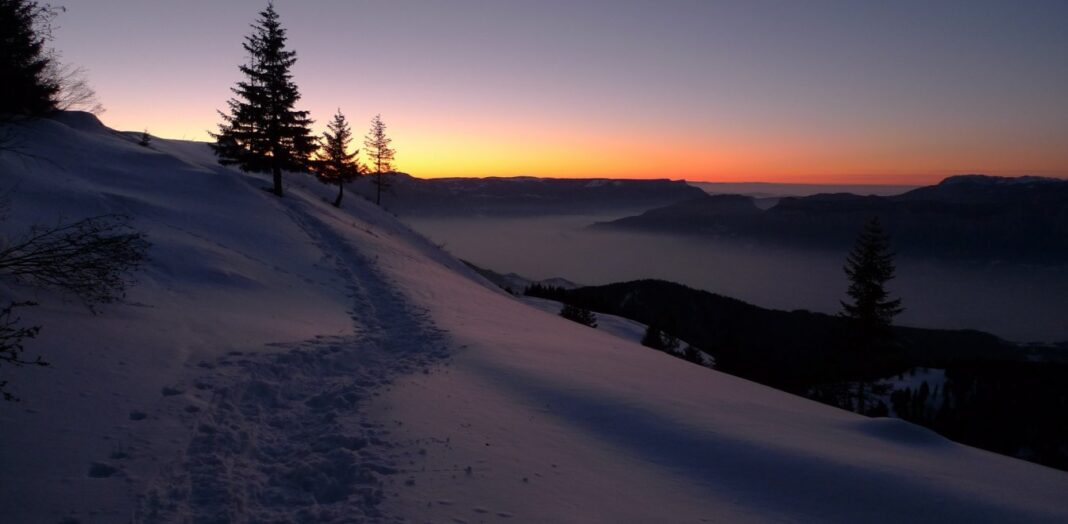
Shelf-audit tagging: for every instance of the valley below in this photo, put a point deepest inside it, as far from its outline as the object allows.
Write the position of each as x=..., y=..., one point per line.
x=1016, y=301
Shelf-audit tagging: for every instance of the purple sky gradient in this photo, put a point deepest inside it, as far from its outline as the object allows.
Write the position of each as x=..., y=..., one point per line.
x=783, y=91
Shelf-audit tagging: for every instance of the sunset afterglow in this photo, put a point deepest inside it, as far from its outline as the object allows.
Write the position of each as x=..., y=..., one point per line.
x=520, y=261
x=820, y=92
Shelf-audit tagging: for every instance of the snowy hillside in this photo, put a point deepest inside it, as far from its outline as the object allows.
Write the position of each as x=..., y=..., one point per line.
x=283, y=360
x=624, y=328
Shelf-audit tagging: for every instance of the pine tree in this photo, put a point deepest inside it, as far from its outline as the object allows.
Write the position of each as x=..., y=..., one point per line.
x=263, y=132
x=334, y=164
x=379, y=155
x=580, y=315
x=25, y=87
x=671, y=343
x=653, y=338
x=693, y=354
x=869, y=267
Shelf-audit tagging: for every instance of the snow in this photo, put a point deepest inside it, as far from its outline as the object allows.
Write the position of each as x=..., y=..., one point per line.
x=250, y=306
x=624, y=328
x=621, y=327
x=516, y=283
x=283, y=360
x=913, y=381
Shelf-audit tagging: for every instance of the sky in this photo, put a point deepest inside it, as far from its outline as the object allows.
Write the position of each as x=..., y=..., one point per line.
x=903, y=92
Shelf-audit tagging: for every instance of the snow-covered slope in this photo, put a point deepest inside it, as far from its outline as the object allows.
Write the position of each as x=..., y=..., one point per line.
x=282, y=360
x=624, y=328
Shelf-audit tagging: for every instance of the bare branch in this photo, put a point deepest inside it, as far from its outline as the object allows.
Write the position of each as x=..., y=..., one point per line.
x=75, y=93
x=91, y=258
x=12, y=335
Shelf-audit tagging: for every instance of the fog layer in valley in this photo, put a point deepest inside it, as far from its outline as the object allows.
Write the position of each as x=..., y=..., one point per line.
x=1018, y=303
x=777, y=190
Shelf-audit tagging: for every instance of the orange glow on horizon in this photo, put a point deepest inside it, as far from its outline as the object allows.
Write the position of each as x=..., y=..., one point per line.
x=431, y=147
x=703, y=91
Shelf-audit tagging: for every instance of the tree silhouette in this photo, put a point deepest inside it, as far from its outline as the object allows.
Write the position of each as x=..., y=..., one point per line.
x=653, y=338
x=91, y=258
x=334, y=164
x=693, y=354
x=671, y=343
x=263, y=133
x=12, y=335
x=379, y=155
x=25, y=88
x=869, y=267
x=580, y=315
x=73, y=92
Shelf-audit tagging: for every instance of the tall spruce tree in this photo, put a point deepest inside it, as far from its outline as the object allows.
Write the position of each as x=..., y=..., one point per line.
x=264, y=133
x=25, y=86
x=869, y=267
x=379, y=155
x=334, y=164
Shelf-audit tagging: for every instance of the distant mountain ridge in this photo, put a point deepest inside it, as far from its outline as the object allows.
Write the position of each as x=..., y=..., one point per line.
x=525, y=196
x=963, y=217
x=785, y=189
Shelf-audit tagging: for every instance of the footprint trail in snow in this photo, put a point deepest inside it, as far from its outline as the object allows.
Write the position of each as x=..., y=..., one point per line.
x=281, y=436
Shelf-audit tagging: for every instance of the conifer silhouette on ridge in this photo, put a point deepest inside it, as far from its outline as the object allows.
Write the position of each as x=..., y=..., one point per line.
x=379, y=155
x=333, y=163
x=263, y=132
x=869, y=266
x=26, y=88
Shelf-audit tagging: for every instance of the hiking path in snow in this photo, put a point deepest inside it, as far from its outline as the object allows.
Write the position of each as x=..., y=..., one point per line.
x=279, y=435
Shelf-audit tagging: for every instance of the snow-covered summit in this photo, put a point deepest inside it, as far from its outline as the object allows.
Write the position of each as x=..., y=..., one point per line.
x=283, y=360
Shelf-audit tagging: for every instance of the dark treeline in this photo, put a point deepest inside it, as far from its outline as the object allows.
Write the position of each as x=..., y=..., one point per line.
x=579, y=315
x=790, y=350
x=1017, y=408
x=1005, y=398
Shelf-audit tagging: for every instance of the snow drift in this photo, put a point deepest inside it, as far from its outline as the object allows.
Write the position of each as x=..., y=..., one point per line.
x=283, y=360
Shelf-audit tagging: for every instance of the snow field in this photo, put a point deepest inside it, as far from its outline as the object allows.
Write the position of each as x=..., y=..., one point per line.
x=282, y=360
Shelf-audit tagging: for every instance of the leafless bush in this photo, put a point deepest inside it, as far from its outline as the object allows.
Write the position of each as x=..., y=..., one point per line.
x=91, y=258
x=75, y=93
